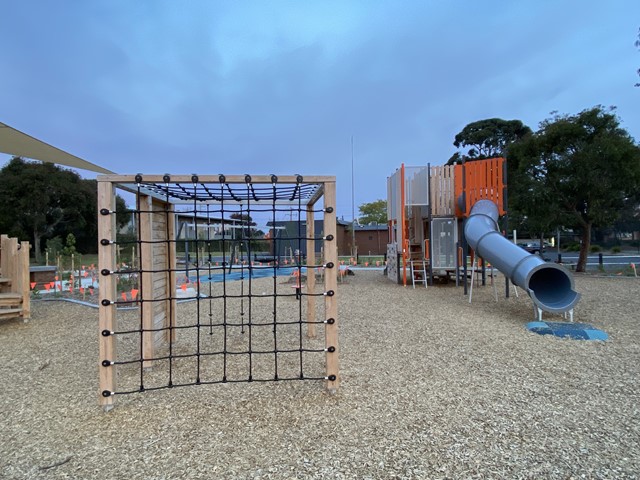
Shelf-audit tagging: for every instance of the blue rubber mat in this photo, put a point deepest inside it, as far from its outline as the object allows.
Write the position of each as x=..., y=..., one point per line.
x=243, y=273
x=578, y=331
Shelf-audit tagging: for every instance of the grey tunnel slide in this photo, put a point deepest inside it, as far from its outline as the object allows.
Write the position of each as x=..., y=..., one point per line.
x=549, y=285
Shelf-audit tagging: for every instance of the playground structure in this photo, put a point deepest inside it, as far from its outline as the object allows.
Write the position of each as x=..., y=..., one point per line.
x=14, y=279
x=438, y=216
x=202, y=350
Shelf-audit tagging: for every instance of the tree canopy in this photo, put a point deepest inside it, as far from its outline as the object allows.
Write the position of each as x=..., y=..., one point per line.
x=487, y=139
x=41, y=201
x=375, y=211
x=576, y=171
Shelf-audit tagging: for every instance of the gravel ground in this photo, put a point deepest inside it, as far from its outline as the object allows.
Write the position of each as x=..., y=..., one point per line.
x=432, y=387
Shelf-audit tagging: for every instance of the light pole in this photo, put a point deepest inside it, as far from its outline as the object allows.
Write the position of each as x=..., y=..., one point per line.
x=353, y=206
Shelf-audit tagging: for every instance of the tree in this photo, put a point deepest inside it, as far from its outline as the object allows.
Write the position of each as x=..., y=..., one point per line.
x=577, y=171
x=487, y=139
x=43, y=201
x=373, y=212
x=247, y=231
x=37, y=198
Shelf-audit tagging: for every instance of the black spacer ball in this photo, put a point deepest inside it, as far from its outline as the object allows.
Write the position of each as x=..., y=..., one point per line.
x=329, y=237
x=106, y=393
x=106, y=363
x=194, y=178
x=299, y=178
x=331, y=321
x=166, y=178
x=330, y=293
x=138, y=178
x=222, y=178
x=330, y=265
x=105, y=242
x=105, y=302
x=105, y=272
x=247, y=178
x=274, y=179
x=104, y=211
x=105, y=333
x=332, y=378
x=329, y=209
x=331, y=349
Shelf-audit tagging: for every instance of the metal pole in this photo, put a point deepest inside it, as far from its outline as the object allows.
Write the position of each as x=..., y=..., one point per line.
x=353, y=206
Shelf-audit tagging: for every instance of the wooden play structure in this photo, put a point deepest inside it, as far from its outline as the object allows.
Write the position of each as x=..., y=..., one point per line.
x=236, y=325
x=14, y=279
x=426, y=207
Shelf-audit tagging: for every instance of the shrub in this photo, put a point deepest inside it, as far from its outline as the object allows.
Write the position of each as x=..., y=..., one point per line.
x=595, y=248
x=616, y=249
x=54, y=246
x=573, y=247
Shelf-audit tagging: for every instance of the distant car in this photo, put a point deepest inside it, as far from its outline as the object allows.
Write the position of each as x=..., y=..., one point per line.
x=533, y=247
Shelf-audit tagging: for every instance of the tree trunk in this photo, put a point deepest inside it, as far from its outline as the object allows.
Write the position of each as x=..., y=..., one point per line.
x=36, y=247
x=584, y=248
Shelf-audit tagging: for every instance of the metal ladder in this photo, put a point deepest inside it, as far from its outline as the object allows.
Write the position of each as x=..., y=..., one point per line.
x=419, y=272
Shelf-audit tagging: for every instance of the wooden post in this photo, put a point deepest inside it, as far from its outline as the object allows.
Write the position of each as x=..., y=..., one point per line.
x=331, y=285
x=311, y=273
x=73, y=264
x=5, y=257
x=24, y=283
x=107, y=293
x=170, y=306
x=146, y=287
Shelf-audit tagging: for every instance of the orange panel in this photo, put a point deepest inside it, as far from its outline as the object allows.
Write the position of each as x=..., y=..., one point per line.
x=458, y=173
x=482, y=179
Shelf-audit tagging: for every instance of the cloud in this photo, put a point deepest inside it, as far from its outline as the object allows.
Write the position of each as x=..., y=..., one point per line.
x=258, y=87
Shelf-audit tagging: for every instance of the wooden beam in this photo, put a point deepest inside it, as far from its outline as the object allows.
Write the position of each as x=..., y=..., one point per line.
x=331, y=285
x=171, y=280
x=146, y=287
x=107, y=293
x=25, y=287
x=316, y=196
x=284, y=179
x=311, y=273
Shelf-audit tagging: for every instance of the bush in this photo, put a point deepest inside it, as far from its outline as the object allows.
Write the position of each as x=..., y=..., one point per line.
x=54, y=247
x=595, y=248
x=616, y=249
x=574, y=247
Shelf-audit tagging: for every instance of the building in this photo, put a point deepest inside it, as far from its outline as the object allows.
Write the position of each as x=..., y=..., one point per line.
x=371, y=239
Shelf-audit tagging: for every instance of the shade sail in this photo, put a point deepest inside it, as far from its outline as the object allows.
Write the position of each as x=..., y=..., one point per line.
x=14, y=142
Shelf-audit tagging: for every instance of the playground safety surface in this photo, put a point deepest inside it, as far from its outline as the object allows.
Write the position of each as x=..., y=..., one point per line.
x=432, y=387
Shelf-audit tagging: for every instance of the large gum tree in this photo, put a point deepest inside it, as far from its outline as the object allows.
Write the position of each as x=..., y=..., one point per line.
x=578, y=171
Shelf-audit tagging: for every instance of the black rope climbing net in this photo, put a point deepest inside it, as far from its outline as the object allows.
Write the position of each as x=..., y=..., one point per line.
x=215, y=316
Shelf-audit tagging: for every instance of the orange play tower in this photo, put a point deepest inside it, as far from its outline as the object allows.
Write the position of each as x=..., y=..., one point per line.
x=425, y=208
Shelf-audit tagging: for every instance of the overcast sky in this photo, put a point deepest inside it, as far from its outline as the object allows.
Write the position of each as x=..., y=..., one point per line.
x=280, y=87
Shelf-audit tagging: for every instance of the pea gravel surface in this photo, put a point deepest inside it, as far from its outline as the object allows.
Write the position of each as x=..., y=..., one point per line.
x=431, y=387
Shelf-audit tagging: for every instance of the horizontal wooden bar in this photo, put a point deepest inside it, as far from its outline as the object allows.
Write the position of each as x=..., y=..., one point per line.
x=284, y=179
